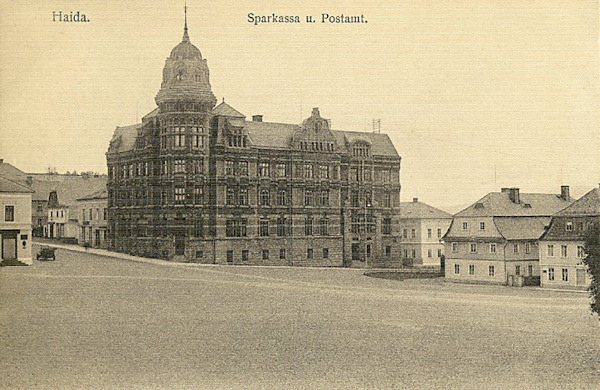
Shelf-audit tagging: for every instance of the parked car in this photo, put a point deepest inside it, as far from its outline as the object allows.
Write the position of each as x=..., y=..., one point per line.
x=46, y=253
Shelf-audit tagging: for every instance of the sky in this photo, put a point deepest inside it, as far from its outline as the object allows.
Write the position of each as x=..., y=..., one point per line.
x=475, y=95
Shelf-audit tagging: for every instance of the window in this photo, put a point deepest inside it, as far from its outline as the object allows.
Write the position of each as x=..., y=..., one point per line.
x=9, y=213
x=263, y=228
x=481, y=225
x=439, y=233
x=324, y=198
x=385, y=175
x=367, y=174
x=230, y=256
x=309, y=253
x=386, y=226
x=265, y=197
x=230, y=198
x=245, y=255
x=325, y=253
x=527, y=247
x=517, y=270
x=308, y=197
x=413, y=233
x=235, y=227
x=179, y=166
x=179, y=137
x=580, y=251
x=492, y=248
x=354, y=198
x=229, y=168
x=515, y=248
x=455, y=247
x=179, y=195
x=551, y=251
x=243, y=196
x=429, y=253
x=439, y=253
x=308, y=226
x=387, y=200
x=308, y=171
x=473, y=247
x=281, y=197
x=282, y=254
x=404, y=233
x=406, y=253
x=243, y=168
x=388, y=251
x=457, y=269
x=263, y=169
x=281, y=169
x=281, y=226
x=324, y=226
x=550, y=273
x=471, y=269
x=414, y=254
x=563, y=251
x=530, y=270
x=354, y=174
x=199, y=254
x=265, y=254
x=324, y=171
x=569, y=226
x=428, y=233
x=368, y=199
x=465, y=226
x=491, y=270
x=565, y=275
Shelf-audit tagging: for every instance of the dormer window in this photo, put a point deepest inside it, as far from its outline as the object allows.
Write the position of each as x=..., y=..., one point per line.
x=569, y=226
x=237, y=139
x=360, y=150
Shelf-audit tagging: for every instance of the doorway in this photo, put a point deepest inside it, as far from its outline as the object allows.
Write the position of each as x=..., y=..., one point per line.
x=9, y=245
x=180, y=244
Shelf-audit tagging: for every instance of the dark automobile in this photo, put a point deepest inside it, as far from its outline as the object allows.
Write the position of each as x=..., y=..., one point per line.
x=46, y=253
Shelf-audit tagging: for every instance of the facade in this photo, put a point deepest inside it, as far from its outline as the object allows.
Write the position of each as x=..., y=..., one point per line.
x=422, y=228
x=15, y=223
x=59, y=224
x=495, y=240
x=562, y=245
x=93, y=219
x=195, y=182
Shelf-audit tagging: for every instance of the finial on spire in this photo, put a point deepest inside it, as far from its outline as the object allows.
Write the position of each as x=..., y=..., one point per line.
x=186, y=37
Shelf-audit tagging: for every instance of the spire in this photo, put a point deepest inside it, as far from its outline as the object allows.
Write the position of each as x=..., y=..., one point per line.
x=186, y=37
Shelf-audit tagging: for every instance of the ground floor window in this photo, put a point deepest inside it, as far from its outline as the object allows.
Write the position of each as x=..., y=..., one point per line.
x=518, y=270
x=282, y=254
x=471, y=269
x=309, y=253
x=388, y=251
x=457, y=269
x=325, y=253
x=230, y=256
x=565, y=275
x=199, y=254
x=530, y=270
x=245, y=255
x=491, y=270
x=550, y=273
x=265, y=254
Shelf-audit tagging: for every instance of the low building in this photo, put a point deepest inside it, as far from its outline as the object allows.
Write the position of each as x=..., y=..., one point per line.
x=562, y=245
x=93, y=224
x=15, y=223
x=59, y=225
x=495, y=240
x=422, y=227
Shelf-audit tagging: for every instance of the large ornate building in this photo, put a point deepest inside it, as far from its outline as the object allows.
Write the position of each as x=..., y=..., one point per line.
x=195, y=182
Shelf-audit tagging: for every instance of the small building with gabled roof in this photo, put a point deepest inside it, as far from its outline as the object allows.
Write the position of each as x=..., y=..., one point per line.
x=495, y=240
x=422, y=227
x=562, y=245
x=15, y=223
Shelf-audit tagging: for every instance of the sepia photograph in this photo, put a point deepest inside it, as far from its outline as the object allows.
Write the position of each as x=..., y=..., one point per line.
x=299, y=195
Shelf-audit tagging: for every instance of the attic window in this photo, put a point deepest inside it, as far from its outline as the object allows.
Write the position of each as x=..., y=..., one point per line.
x=478, y=205
x=360, y=150
x=527, y=205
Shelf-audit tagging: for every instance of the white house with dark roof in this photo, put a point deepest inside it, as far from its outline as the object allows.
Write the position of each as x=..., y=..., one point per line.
x=495, y=240
x=562, y=245
x=422, y=227
x=15, y=223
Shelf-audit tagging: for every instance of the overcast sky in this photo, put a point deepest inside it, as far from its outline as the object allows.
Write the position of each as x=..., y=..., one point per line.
x=475, y=95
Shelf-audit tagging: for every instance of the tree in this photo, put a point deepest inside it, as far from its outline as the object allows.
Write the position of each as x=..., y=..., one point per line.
x=592, y=260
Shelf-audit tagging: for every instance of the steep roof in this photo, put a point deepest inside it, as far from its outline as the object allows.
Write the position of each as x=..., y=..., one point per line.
x=10, y=172
x=68, y=189
x=381, y=144
x=225, y=109
x=98, y=195
x=7, y=185
x=151, y=114
x=499, y=204
x=521, y=228
x=269, y=134
x=587, y=205
x=124, y=138
x=421, y=210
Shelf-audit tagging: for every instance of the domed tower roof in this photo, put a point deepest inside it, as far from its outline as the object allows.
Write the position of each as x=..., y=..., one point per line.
x=185, y=75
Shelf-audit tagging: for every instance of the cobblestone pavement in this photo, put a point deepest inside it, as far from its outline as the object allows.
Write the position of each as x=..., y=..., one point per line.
x=89, y=321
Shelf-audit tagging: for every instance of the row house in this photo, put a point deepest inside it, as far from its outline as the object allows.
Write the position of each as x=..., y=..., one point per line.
x=562, y=245
x=495, y=240
x=93, y=219
x=422, y=227
x=195, y=182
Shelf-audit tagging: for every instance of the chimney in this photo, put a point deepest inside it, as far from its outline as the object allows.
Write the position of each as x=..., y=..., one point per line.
x=257, y=118
x=415, y=200
x=29, y=180
x=1, y=160
x=513, y=195
x=564, y=193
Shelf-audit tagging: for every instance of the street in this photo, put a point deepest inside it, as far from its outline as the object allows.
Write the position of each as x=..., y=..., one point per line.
x=87, y=321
